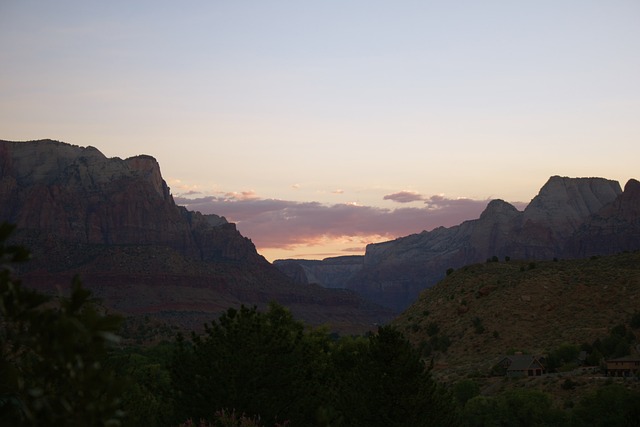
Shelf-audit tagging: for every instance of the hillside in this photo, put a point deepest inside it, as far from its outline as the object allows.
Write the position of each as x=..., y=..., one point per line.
x=488, y=310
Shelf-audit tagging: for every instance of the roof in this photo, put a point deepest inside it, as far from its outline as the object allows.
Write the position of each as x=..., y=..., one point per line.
x=625, y=359
x=523, y=362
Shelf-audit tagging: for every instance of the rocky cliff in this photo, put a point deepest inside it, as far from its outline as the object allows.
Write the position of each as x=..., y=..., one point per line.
x=78, y=195
x=569, y=218
x=330, y=272
x=115, y=223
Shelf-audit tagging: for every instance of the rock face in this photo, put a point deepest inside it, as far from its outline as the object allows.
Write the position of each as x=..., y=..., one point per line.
x=115, y=223
x=613, y=228
x=330, y=272
x=78, y=195
x=569, y=218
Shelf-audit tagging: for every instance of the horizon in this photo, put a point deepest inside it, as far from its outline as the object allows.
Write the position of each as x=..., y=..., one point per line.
x=320, y=128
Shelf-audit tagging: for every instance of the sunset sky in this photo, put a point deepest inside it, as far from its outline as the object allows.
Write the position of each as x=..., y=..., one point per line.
x=321, y=126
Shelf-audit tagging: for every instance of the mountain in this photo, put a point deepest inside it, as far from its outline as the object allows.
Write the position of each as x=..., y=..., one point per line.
x=569, y=218
x=115, y=223
x=330, y=272
x=484, y=311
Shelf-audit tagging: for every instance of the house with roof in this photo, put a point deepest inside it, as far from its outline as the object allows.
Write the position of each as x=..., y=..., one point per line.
x=522, y=365
x=623, y=366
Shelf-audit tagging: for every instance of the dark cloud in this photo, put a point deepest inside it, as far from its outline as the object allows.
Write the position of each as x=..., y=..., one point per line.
x=404, y=197
x=273, y=223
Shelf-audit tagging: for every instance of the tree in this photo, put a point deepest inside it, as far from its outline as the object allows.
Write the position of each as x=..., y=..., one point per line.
x=147, y=399
x=256, y=363
x=481, y=411
x=465, y=390
x=528, y=408
x=611, y=406
x=53, y=353
x=385, y=383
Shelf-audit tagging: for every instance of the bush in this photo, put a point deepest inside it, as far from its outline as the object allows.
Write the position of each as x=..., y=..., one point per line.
x=433, y=328
x=478, y=327
x=569, y=384
x=465, y=390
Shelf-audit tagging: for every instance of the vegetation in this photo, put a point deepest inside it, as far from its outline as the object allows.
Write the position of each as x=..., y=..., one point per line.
x=53, y=354
x=62, y=364
x=486, y=309
x=267, y=364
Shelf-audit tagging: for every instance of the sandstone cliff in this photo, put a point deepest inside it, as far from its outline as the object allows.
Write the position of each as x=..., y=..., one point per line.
x=115, y=223
x=78, y=195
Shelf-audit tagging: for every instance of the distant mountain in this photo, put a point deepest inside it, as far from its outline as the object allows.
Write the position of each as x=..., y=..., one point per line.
x=569, y=218
x=330, y=272
x=115, y=223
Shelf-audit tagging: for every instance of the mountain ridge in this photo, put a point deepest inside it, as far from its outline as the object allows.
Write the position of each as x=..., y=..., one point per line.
x=569, y=218
x=115, y=223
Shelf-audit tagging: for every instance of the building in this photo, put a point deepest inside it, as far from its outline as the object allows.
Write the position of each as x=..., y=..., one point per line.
x=522, y=365
x=623, y=366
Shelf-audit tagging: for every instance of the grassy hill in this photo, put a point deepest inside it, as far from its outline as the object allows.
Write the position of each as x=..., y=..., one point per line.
x=481, y=312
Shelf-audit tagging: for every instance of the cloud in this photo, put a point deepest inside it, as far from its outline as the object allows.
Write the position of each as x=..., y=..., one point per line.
x=283, y=224
x=404, y=197
x=244, y=195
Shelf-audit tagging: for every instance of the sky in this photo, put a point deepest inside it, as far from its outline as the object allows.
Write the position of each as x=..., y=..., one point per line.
x=321, y=126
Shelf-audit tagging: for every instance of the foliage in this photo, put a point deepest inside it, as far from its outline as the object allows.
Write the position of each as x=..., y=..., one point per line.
x=385, y=383
x=433, y=328
x=617, y=344
x=562, y=358
x=611, y=406
x=53, y=353
x=465, y=390
x=517, y=408
x=259, y=363
x=481, y=411
x=148, y=398
x=478, y=327
x=268, y=365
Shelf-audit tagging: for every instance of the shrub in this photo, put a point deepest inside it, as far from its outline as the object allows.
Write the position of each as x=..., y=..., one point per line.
x=433, y=328
x=478, y=327
x=465, y=390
